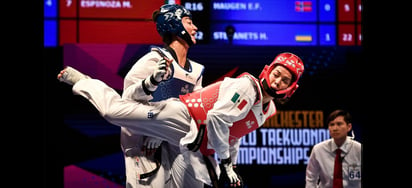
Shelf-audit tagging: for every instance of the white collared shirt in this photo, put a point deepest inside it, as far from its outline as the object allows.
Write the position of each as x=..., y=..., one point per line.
x=319, y=170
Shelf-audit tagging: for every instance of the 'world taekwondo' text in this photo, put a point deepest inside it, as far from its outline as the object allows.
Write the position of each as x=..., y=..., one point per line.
x=279, y=146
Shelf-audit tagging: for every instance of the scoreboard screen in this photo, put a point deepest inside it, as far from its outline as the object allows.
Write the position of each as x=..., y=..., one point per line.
x=279, y=23
x=257, y=22
x=100, y=21
x=128, y=9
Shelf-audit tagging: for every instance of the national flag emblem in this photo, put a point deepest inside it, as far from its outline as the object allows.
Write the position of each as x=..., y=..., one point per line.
x=242, y=104
x=235, y=97
x=303, y=38
x=303, y=6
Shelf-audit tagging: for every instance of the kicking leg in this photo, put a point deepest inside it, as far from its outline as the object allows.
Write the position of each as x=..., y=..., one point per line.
x=167, y=120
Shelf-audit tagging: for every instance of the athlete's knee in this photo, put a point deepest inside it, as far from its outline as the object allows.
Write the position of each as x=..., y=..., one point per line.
x=110, y=116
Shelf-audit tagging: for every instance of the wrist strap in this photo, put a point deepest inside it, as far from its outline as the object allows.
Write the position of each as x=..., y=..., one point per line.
x=153, y=81
x=147, y=91
x=226, y=161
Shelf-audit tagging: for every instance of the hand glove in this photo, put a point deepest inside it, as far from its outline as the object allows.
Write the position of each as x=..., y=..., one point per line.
x=162, y=72
x=236, y=170
x=150, y=145
x=234, y=179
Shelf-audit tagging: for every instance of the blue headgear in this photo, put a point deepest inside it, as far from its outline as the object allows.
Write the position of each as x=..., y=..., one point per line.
x=169, y=21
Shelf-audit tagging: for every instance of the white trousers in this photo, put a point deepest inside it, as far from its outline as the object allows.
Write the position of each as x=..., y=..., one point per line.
x=168, y=120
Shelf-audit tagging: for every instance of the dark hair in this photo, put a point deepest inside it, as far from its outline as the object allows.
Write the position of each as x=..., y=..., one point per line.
x=155, y=14
x=168, y=19
x=168, y=37
x=339, y=112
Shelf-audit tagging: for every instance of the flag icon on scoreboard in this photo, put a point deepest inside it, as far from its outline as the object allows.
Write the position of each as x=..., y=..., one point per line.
x=303, y=6
x=303, y=38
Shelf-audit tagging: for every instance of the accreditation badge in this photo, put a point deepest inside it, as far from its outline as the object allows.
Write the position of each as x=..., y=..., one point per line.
x=354, y=172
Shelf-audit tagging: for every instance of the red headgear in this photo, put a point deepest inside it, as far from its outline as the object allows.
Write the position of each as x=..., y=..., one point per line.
x=290, y=61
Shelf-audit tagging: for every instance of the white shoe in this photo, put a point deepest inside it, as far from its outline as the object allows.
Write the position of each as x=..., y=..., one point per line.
x=69, y=75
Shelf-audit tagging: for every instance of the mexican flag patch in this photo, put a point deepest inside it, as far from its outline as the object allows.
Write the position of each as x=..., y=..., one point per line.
x=241, y=104
x=235, y=97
